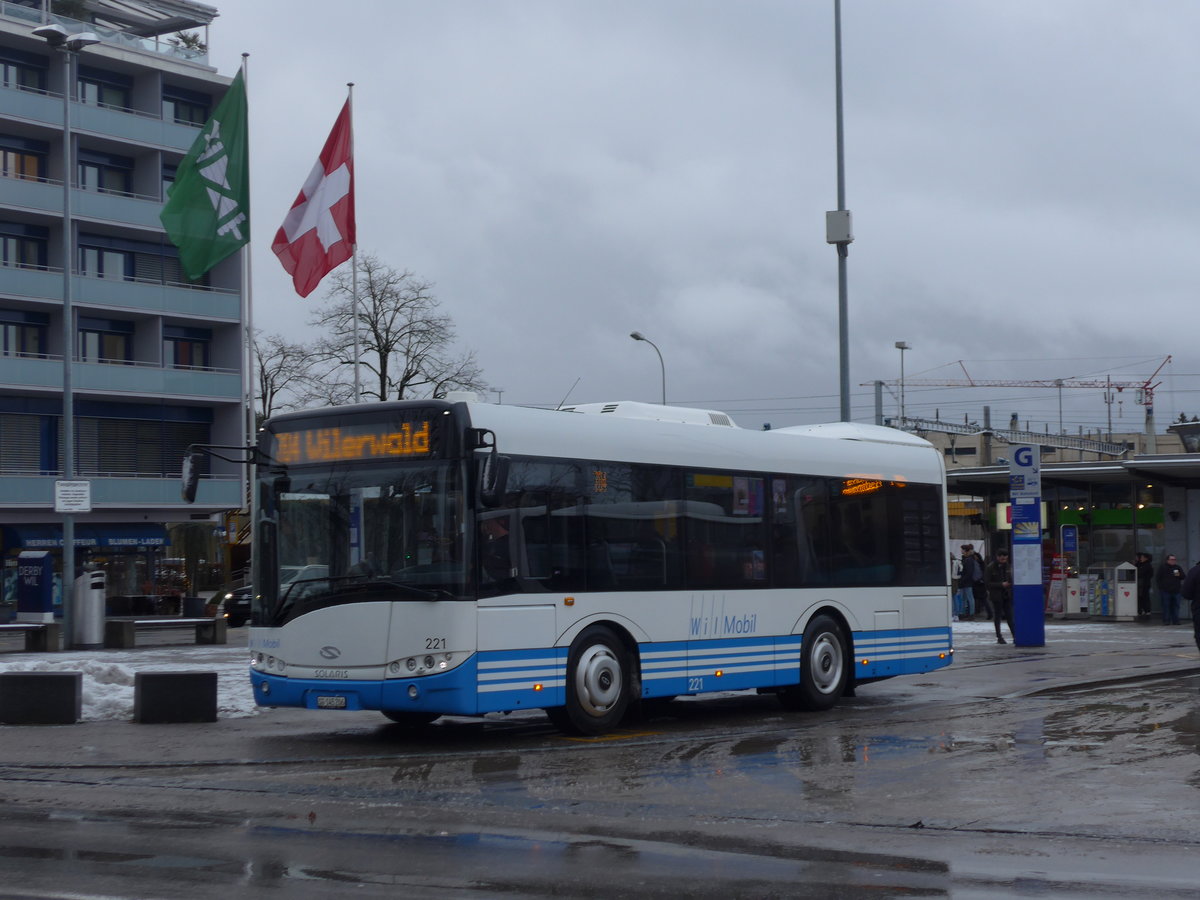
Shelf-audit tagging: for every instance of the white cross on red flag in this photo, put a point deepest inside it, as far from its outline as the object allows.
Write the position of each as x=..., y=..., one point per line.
x=318, y=233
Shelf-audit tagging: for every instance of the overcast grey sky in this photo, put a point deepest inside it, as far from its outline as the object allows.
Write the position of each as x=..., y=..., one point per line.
x=1022, y=174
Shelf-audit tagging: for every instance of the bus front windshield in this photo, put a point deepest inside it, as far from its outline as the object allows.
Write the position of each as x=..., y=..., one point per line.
x=351, y=533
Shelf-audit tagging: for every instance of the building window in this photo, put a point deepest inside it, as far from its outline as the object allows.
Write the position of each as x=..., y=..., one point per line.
x=99, y=262
x=168, y=179
x=22, y=246
x=21, y=445
x=133, y=446
x=104, y=173
x=17, y=162
x=105, y=340
x=107, y=89
x=22, y=333
x=186, y=348
x=22, y=75
x=185, y=111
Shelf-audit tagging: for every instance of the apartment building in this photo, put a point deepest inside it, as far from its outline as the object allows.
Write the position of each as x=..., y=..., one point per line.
x=90, y=139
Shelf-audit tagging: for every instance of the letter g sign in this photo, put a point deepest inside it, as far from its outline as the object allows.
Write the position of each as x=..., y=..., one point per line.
x=1023, y=456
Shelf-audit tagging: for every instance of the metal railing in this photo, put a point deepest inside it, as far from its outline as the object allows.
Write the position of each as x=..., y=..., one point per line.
x=107, y=35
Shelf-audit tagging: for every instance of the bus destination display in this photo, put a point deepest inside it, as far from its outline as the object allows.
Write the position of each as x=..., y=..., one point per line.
x=378, y=441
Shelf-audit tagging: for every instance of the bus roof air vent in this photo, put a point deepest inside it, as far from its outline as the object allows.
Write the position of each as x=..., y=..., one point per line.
x=631, y=409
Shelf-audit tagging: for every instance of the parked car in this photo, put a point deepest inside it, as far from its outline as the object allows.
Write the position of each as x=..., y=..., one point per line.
x=235, y=606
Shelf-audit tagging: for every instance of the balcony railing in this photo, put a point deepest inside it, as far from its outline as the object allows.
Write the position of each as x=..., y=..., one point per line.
x=129, y=278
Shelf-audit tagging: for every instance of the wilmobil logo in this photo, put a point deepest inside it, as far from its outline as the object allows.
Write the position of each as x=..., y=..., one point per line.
x=718, y=625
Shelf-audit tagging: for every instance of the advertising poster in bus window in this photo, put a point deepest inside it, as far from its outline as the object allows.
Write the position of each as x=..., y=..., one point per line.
x=756, y=496
x=779, y=496
x=741, y=496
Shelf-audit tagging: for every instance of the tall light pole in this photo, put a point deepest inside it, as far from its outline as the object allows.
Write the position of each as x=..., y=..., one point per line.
x=69, y=45
x=902, y=346
x=838, y=230
x=638, y=336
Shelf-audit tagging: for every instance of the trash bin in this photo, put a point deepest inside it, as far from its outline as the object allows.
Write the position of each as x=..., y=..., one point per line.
x=88, y=619
x=193, y=607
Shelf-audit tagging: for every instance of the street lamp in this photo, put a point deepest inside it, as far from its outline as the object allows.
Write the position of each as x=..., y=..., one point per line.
x=638, y=336
x=69, y=45
x=902, y=346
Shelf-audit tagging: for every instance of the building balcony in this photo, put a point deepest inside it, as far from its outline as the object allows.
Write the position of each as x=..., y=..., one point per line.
x=123, y=492
x=126, y=294
x=32, y=16
x=46, y=195
x=131, y=125
x=107, y=379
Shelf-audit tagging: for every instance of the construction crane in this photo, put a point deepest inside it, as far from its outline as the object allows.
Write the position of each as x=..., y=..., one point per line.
x=1144, y=390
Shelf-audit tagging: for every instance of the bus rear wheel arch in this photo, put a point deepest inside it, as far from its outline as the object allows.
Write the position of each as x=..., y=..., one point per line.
x=600, y=683
x=825, y=667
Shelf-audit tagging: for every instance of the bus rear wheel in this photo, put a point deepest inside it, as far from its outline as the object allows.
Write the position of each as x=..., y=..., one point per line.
x=598, y=684
x=824, y=668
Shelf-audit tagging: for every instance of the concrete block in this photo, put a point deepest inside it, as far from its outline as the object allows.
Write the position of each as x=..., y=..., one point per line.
x=43, y=640
x=119, y=635
x=41, y=698
x=168, y=697
x=212, y=632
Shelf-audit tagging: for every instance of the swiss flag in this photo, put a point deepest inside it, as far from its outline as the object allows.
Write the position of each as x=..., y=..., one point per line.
x=318, y=233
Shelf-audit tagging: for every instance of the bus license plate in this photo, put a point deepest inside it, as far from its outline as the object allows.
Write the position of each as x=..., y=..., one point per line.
x=331, y=703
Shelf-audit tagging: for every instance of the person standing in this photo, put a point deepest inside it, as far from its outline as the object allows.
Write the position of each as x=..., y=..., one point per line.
x=1144, y=563
x=960, y=604
x=973, y=579
x=999, y=588
x=1169, y=579
x=1191, y=593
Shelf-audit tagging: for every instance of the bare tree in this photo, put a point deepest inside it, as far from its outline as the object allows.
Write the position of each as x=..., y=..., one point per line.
x=284, y=370
x=406, y=342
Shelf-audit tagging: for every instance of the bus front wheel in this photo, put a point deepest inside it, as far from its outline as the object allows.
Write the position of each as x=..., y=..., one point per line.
x=824, y=667
x=597, y=684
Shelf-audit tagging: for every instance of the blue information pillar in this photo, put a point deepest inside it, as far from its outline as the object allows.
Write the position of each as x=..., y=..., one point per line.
x=1025, y=491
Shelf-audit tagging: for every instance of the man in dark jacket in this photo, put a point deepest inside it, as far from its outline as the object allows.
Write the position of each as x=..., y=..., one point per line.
x=1191, y=593
x=1169, y=579
x=999, y=588
x=973, y=578
x=1144, y=563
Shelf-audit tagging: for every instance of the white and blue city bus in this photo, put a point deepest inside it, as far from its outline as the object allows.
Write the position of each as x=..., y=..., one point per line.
x=437, y=557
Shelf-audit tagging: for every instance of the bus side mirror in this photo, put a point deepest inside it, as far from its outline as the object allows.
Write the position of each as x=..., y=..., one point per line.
x=493, y=479
x=190, y=475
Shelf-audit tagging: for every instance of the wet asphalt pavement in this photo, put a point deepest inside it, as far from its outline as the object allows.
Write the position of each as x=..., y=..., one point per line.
x=1065, y=770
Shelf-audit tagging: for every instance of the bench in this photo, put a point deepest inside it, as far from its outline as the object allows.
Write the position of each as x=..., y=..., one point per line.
x=40, y=637
x=122, y=633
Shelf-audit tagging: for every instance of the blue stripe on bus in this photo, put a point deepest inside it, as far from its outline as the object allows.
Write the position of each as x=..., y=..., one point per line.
x=880, y=654
x=499, y=680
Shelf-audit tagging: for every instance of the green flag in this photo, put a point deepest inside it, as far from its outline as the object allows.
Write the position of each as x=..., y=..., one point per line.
x=207, y=213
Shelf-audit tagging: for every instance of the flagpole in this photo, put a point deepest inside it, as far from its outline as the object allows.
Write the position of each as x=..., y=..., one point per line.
x=354, y=263
x=248, y=317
